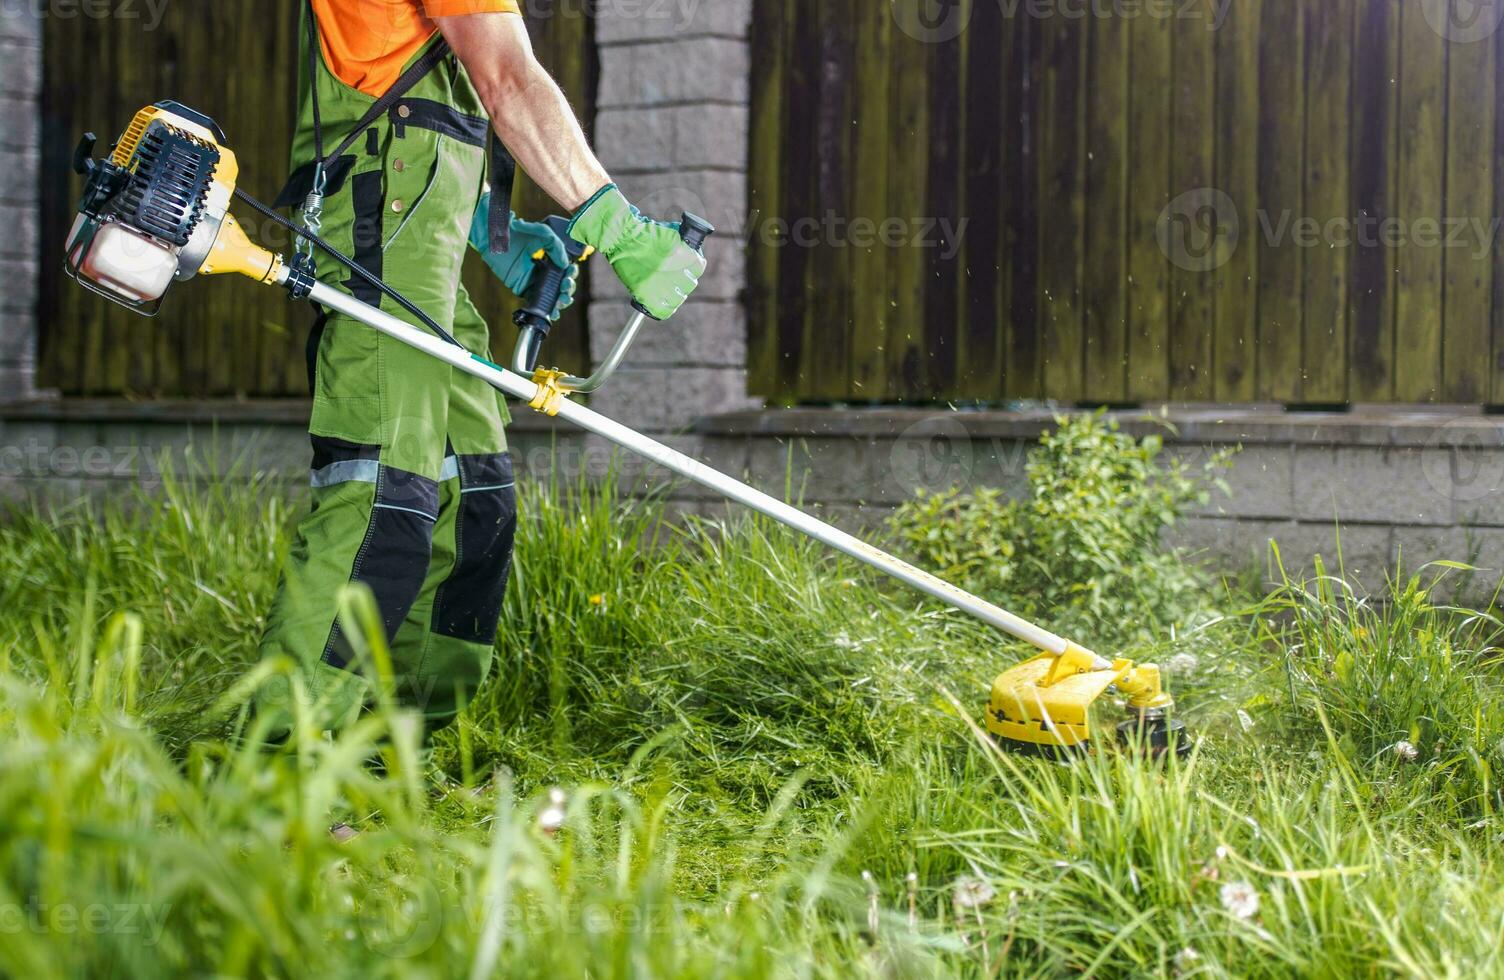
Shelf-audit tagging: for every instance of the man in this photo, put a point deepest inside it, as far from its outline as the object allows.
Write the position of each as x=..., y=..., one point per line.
x=412, y=484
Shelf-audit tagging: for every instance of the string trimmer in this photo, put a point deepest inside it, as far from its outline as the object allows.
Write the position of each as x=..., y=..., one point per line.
x=157, y=210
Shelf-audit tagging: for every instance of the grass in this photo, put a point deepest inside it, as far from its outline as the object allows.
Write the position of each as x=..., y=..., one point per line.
x=769, y=767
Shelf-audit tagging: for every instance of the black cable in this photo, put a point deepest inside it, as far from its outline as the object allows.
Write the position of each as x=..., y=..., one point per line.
x=350, y=264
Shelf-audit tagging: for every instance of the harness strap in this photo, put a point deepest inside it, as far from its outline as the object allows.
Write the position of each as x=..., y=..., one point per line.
x=503, y=164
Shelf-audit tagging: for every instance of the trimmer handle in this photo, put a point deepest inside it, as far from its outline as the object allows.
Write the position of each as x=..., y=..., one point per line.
x=694, y=231
x=548, y=282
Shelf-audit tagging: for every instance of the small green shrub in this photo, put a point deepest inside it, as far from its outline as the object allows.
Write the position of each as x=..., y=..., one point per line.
x=1084, y=549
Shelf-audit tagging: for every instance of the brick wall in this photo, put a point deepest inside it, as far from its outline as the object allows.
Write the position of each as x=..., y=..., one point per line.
x=672, y=129
x=20, y=135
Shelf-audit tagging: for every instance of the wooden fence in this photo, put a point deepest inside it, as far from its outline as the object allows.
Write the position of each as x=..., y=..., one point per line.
x=236, y=62
x=1234, y=200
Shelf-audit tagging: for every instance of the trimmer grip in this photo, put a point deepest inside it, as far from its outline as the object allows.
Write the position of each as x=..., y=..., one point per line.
x=548, y=281
x=694, y=231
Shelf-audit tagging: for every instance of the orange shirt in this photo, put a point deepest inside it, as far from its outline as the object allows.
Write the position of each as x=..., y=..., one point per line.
x=367, y=42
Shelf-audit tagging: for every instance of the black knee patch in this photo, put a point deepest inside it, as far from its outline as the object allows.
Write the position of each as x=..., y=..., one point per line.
x=468, y=605
x=394, y=557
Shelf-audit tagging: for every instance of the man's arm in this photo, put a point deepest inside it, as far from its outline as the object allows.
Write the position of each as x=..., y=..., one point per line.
x=530, y=113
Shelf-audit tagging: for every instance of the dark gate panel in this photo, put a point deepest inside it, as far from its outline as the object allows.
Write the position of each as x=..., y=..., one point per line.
x=1262, y=200
x=235, y=61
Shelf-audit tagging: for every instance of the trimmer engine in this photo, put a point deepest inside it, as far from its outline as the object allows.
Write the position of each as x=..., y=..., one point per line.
x=156, y=210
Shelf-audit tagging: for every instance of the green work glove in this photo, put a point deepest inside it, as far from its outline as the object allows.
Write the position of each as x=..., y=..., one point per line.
x=531, y=244
x=658, y=269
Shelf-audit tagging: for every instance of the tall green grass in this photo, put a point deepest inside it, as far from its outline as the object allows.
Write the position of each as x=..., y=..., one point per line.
x=712, y=750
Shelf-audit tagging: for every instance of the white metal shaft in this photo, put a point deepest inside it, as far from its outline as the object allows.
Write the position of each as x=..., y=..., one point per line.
x=691, y=469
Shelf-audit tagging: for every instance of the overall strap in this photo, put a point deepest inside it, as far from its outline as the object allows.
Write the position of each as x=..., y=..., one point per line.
x=503, y=164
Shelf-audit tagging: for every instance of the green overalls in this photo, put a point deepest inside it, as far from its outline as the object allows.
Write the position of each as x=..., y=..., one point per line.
x=412, y=485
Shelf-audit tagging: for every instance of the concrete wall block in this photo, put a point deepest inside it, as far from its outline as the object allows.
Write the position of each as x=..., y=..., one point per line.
x=16, y=381
x=638, y=476
x=712, y=70
x=625, y=21
x=18, y=342
x=671, y=399
x=1360, y=553
x=23, y=77
x=1227, y=543
x=19, y=22
x=20, y=295
x=1262, y=480
x=1477, y=482
x=19, y=176
x=1482, y=547
x=709, y=333
x=1374, y=484
x=672, y=138
x=20, y=122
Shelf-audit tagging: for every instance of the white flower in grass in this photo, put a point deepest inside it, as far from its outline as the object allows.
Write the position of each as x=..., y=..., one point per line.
x=971, y=893
x=1406, y=752
x=1186, y=960
x=551, y=817
x=1183, y=663
x=1241, y=899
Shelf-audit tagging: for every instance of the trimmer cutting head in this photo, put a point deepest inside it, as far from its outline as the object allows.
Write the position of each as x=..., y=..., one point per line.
x=1054, y=704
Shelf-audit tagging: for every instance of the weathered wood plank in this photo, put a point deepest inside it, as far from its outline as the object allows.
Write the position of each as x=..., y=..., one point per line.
x=1192, y=310
x=796, y=285
x=980, y=355
x=870, y=309
x=1422, y=175
x=1374, y=148
x=825, y=370
x=766, y=194
x=1467, y=258
x=1106, y=264
x=948, y=124
x=1021, y=240
x=1236, y=304
x=908, y=181
x=1281, y=136
x=1329, y=56
x=1150, y=167
x=1062, y=195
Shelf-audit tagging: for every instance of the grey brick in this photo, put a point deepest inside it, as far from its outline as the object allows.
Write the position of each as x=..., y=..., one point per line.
x=885, y=471
x=20, y=123
x=1376, y=484
x=1261, y=480
x=17, y=381
x=19, y=21
x=1360, y=553
x=619, y=21
x=19, y=176
x=637, y=475
x=19, y=298
x=1483, y=547
x=22, y=231
x=23, y=75
x=1477, y=482
x=709, y=333
x=672, y=138
x=670, y=400
x=18, y=338
x=671, y=72
x=1228, y=543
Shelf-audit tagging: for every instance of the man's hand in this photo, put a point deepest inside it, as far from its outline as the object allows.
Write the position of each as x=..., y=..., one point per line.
x=532, y=245
x=528, y=111
x=649, y=257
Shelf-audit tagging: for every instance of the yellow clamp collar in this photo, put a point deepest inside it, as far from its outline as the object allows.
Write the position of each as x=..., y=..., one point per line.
x=550, y=394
